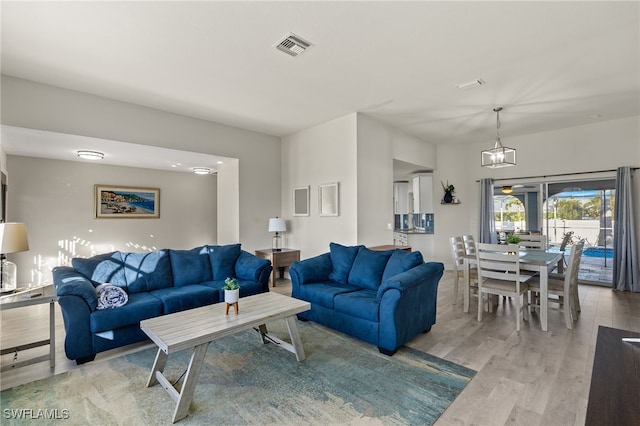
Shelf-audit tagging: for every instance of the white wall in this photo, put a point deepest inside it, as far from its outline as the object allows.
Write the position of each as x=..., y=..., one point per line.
x=55, y=199
x=598, y=146
x=322, y=154
x=42, y=107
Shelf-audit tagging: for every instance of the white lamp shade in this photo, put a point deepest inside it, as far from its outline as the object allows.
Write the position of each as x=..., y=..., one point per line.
x=277, y=224
x=13, y=237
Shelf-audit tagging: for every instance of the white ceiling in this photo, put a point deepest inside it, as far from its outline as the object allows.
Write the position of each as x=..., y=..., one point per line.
x=550, y=65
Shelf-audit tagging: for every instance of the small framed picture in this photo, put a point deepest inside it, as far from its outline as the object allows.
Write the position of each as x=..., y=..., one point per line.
x=126, y=202
x=328, y=199
x=301, y=201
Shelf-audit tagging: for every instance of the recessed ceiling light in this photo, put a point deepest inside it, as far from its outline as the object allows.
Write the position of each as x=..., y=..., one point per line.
x=90, y=155
x=201, y=170
x=470, y=84
x=220, y=162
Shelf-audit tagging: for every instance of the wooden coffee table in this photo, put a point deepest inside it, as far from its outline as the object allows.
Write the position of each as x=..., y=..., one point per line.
x=195, y=328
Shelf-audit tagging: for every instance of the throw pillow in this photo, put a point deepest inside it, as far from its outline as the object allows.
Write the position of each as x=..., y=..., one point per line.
x=342, y=258
x=102, y=268
x=147, y=271
x=111, y=296
x=190, y=266
x=368, y=268
x=400, y=261
x=223, y=260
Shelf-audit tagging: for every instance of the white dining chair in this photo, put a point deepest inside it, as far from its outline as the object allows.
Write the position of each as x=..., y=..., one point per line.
x=457, y=253
x=469, y=244
x=532, y=242
x=565, y=289
x=499, y=274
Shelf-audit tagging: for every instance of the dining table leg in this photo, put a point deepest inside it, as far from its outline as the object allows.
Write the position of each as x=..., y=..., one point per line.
x=466, y=286
x=544, y=297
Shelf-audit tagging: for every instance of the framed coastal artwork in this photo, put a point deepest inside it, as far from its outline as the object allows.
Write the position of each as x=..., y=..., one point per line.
x=120, y=202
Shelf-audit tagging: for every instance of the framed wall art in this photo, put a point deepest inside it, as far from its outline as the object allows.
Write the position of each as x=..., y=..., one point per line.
x=120, y=202
x=301, y=201
x=328, y=199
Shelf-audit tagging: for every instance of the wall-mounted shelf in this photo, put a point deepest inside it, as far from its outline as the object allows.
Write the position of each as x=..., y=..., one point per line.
x=453, y=202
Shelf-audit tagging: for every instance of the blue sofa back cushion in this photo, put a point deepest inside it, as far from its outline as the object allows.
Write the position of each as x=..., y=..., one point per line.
x=342, y=258
x=401, y=261
x=147, y=271
x=223, y=260
x=190, y=266
x=368, y=268
x=102, y=268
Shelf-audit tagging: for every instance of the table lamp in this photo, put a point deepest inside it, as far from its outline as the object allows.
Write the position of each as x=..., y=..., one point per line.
x=277, y=224
x=13, y=239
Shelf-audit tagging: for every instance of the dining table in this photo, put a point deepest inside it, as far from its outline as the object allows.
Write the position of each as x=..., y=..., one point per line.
x=539, y=261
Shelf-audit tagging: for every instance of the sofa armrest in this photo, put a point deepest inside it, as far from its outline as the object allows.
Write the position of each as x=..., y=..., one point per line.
x=405, y=281
x=408, y=304
x=312, y=270
x=69, y=282
x=252, y=267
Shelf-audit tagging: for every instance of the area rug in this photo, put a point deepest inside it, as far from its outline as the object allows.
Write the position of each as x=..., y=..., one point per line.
x=342, y=381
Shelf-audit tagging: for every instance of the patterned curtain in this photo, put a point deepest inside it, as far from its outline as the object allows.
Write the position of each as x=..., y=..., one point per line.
x=626, y=275
x=487, y=217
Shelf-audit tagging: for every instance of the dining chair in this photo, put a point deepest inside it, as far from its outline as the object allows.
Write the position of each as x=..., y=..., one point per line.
x=566, y=289
x=563, y=247
x=469, y=244
x=499, y=274
x=532, y=242
x=457, y=253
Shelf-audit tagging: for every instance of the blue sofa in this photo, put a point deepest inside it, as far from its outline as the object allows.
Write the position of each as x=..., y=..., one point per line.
x=156, y=283
x=385, y=298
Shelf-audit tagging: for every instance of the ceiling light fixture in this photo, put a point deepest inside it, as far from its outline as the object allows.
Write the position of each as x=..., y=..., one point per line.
x=507, y=189
x=498, y=156
x=90, y=155
x=201, y=170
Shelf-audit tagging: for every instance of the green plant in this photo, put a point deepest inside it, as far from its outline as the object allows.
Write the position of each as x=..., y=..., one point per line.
x=513, y=239
x=231, y=284
x=447, y=187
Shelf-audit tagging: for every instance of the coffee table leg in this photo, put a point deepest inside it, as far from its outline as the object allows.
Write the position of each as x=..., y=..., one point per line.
x=263, y=332
x=295, y=338
x=190, y=381
x=158, y=365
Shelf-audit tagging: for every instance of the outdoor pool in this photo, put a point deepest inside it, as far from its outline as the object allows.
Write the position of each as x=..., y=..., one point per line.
x=600, y=252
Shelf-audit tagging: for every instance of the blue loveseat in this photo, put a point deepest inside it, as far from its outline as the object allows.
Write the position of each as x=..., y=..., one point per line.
x=156, y=283
x=385, y=298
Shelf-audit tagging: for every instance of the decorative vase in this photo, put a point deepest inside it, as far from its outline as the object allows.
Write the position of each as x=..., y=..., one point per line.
x=448, y=197
x=231, y=296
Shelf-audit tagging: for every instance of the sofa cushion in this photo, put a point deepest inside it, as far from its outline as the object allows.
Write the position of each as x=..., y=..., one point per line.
x=368, y=267
x=342, y=258
x=323, y=293
x=223, y=260
x=190, y=266
x=140, y=306
x=360, y=304
x=102, y=268
x=191, y=296
x=147, y=271
x=401, y=261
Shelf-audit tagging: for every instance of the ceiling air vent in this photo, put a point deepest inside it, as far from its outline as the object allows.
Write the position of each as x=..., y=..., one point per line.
x=293, y=45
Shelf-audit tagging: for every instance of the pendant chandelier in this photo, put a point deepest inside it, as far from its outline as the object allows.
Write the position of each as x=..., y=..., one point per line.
x=499, y=155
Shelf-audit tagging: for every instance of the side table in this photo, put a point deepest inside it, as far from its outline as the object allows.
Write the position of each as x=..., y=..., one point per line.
x=279, y=259
x=30, y=297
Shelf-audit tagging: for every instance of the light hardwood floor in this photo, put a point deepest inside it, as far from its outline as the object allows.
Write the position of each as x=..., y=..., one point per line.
x=526, y=378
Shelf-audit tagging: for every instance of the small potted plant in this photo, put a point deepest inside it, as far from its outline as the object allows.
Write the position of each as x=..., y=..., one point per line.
x=513, y=239
x=448, y=192
x=231, y=290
